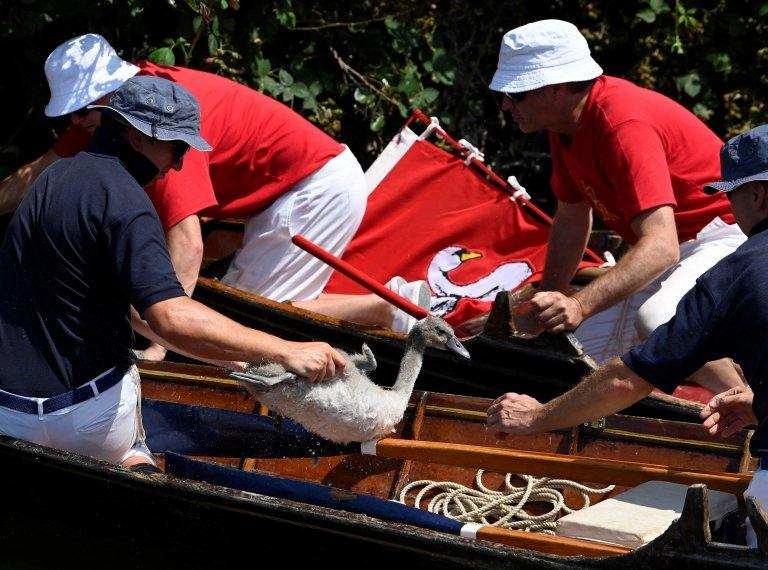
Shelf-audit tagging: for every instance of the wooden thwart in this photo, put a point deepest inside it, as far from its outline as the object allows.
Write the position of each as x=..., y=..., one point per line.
x=590, y=469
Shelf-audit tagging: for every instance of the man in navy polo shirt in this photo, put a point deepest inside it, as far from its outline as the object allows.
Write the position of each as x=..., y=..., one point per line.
x=83, y=247
x=725, y=315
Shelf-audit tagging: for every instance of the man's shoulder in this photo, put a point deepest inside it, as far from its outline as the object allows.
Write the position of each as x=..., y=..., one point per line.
x=97, y=177
x=185, y=75
x=740, y=270
x=619, y=102
x=94, y=167
x=619, y=93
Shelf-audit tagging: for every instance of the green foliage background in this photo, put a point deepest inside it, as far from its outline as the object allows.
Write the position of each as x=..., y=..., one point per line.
x=357, y=69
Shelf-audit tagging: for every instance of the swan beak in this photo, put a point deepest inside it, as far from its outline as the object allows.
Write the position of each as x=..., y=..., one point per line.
x=455, y=346
x=467, y=255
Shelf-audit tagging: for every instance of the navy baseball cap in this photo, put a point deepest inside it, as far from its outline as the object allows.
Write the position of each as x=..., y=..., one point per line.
x=159, y=108
x=743, y=159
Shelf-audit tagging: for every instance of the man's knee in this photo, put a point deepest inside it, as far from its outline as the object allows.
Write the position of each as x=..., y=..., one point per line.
x=651, y=315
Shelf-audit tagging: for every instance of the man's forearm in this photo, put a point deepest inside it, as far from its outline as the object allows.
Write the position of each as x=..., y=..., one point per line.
x=606, y=391
x=142, y=327
x=185, y=246
x=636, y=269
x=15, y=186
x=205, y=334
x=567, y=242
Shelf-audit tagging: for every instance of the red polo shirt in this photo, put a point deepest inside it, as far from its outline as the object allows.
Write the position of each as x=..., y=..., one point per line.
x=634, y=150
x=261, y=148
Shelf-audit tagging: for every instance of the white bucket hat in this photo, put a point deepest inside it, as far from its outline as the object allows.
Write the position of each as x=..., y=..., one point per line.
x=542, y=53
x=82, y=70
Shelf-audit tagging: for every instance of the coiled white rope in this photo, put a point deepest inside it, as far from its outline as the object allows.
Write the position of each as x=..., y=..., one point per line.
x=503, y=509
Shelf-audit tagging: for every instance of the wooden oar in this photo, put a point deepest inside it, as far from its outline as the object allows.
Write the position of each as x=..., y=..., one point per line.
x=359, y=277
x=553, y=465
x=561, y=545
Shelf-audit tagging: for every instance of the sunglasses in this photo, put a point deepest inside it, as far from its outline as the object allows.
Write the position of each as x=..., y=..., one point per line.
x=85, y=111
x=516, y=97
x=180, y=148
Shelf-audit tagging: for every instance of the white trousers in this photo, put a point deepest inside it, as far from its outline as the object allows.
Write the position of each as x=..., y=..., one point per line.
x=107, y=426
x=612, y=332
x=326, y=207
x=758, y=488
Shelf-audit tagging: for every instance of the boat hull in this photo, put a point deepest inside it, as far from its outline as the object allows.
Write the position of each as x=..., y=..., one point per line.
x=62, y=502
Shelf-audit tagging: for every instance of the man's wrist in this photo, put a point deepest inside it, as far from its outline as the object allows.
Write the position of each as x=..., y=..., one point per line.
x=581, y=307
x=537, y=420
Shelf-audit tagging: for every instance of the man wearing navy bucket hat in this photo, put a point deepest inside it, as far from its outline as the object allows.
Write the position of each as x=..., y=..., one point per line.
x=725, y=315
x=270, y=166
x=638, y=160
x=83, y=247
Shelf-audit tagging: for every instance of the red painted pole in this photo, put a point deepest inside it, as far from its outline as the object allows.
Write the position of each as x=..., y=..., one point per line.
x=501, y=184
x=359, y=277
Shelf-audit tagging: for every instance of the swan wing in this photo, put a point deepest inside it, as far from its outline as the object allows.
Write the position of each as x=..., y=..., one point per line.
x=262, y=382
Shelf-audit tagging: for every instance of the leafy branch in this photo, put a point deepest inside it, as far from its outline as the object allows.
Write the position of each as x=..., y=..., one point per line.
x=361, y=79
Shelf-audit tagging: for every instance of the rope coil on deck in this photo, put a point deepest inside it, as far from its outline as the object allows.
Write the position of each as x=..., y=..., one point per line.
x=503, y=509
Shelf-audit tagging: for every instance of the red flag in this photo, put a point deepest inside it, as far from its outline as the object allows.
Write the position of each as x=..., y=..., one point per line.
x=436, y=218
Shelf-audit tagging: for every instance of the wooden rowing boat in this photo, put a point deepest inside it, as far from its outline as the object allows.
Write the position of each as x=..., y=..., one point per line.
x=215, y=440
x=543, y=367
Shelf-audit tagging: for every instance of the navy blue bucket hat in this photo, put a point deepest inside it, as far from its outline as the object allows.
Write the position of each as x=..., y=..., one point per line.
x=159, y=108
x=743, y=159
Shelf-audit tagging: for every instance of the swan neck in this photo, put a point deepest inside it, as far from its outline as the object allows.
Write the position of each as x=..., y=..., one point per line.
x=410, y=365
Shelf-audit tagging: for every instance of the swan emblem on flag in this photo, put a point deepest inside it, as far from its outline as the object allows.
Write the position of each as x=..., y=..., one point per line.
x=447, y=293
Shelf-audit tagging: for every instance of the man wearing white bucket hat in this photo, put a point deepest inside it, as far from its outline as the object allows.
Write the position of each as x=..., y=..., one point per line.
x=269, y=165
x=639, y=160
x=721, y=316
x=85, y=245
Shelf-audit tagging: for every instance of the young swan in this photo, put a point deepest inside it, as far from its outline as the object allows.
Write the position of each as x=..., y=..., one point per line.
x=350, y=407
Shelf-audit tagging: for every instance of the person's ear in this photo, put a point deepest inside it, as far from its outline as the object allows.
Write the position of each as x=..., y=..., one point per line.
x=760, y=196
x=135, y=139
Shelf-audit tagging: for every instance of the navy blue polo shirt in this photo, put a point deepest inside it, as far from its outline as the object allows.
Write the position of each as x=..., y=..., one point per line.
x=725, y=315
x=84, y=245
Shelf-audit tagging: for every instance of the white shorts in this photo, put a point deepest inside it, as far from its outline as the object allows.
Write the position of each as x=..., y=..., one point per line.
x=758, y=488
x=612, y=332
x=326, y=207
x=107, y=426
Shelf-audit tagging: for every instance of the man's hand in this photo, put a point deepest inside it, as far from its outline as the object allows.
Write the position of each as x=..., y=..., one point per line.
x=314, y=361
x=513, y=413
x=557, y=312
x=475, y=325
x=729, y=411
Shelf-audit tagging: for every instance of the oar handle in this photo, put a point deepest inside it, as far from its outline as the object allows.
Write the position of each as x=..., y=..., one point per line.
x=359, y=277
x=590, y=469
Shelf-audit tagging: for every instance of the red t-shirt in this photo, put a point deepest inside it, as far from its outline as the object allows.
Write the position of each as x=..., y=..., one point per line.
x=261, y=148
x=634, y=150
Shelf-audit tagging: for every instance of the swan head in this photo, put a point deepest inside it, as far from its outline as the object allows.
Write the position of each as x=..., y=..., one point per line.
x=452, y=257
x=435, y=332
